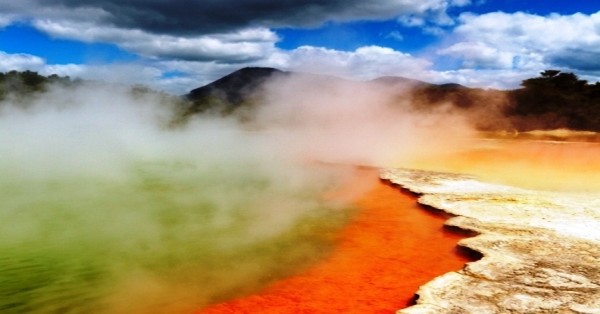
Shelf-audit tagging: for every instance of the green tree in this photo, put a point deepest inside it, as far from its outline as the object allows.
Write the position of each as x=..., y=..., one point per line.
x=558, y=100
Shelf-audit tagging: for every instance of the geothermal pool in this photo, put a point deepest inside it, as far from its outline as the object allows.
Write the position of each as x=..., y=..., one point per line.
x=107, y=208
x=162, y=239
x=156, y=234
x=159, y=238
x=393, y=246
x=390, y=248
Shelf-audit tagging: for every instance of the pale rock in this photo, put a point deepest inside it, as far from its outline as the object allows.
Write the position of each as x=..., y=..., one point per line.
x=541, y=250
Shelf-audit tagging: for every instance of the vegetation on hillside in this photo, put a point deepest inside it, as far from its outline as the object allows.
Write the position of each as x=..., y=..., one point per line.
x=233, y=91
x=29, y=89
x=23, y=84
x=553, y=100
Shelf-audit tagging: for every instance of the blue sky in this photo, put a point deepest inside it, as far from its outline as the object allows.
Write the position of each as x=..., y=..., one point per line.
x=175, y=46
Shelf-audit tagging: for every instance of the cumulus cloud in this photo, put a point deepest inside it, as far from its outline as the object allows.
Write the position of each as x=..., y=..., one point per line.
x=240, y=46
x=500, y=49
x=486, y=78
x=175, y=77
x=580, y=59
x=26, y=10
x=193, y=17
x=19, y=62
x=479, y=55
x=229, y=31
x=162, y=76
x=395, y=35
x=527, y=41
x=188, y=44
x=433, y=16
x=361, y=64
x=5, y=20
x=364, y=63
x=180, y=76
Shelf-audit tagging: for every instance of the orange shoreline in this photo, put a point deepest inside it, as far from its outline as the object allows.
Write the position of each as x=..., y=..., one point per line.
x=391, y=248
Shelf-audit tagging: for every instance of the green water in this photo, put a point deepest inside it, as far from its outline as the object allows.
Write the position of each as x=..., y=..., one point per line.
x=159, y=237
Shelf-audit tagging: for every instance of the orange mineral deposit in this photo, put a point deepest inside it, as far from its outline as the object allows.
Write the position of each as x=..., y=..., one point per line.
x=390, y=248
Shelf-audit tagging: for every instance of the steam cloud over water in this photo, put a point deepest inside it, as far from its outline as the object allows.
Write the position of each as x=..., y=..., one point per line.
x=355, y=123
x=108, y=208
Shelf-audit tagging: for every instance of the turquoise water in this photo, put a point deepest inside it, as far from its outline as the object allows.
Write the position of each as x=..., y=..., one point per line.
x=159, y=237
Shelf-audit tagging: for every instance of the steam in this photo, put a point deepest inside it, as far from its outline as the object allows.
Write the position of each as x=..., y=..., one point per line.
x=108, y=208
x=355, y=123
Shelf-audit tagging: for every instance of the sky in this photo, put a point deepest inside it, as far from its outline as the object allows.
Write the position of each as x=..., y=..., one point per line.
x=178, y=45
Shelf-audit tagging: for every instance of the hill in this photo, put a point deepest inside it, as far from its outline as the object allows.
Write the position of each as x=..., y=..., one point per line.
x=21, y=85
x=231, y=91
x=244, y=89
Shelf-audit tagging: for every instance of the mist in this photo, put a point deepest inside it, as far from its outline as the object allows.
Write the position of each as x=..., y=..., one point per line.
x=351, y=122
x=107, y=208
x=111, y=203
x=111, y=207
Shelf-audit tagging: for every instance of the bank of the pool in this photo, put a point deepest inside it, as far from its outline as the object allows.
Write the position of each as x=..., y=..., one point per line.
x=390, y=248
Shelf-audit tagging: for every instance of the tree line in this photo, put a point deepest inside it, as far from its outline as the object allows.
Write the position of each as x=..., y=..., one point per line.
x=21, y=84
x=553, y=100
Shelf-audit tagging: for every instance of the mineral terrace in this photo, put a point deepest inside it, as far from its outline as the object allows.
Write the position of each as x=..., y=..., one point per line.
x=541, y=250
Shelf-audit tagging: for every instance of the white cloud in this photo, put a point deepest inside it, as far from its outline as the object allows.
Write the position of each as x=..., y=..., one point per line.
x=239, y=46
x=434, y=30
x=203, y=53
x=197, y=18
x=494, y=50
x=364, y=63
x=6, y=20
x=168, y=29
x=25, y=10
x=20, y=62
x=395, y=35
x=175, y=77
x=179, y=76
x=150, y=74
x=531, y=42
x=484, y=78
x=432, y=15
x=479, y=55
x=460, y=3
x=116, y=73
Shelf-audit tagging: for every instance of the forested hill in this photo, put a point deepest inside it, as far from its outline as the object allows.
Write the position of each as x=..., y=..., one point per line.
x=555, y=100
x=23, y=84
x=231, y=91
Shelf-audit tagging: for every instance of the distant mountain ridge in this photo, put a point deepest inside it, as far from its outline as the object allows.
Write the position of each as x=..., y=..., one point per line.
x=230, y=91
x=554, y=100
x=393, y=80
x=238, y=88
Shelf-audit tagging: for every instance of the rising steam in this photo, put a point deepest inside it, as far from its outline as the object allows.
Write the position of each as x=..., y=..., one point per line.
x=107, y=207
x=355, y=123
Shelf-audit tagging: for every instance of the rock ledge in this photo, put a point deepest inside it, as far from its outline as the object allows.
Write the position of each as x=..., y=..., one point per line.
x=541, y=250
